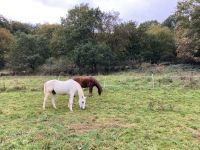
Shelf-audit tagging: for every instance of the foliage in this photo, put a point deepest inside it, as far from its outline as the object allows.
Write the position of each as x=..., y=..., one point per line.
x=125, y=41
x=24, y=55
x=58, y=43
x=6, y=39
x=157, y=43
x=4, y=23
x=188, y=30
x=170, y=22
x=143, y=27
x=20, y=27
x=56, y=66
x=80, y=25
x=163, y=43
x=88, y=56
x=44, y=35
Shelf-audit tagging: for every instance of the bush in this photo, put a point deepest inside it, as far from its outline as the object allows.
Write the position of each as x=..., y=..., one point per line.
x=56, y=66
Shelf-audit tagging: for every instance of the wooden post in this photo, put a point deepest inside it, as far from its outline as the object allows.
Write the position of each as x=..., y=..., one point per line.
x=152, y=80
x=104, y=82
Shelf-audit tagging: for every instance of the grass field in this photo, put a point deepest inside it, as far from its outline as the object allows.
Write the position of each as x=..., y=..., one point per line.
x=135, y=111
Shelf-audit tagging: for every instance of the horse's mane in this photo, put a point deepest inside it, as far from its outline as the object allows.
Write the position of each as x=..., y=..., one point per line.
x=97, y=85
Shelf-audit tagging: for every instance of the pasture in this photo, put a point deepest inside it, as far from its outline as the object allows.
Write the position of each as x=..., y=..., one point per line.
x=135, y=111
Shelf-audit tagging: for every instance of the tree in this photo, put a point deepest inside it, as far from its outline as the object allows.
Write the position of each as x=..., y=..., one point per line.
x=46, y=29
x=45, y=34
x=194, y=31
x=188, y=30
x=80, y=25
x=84, y=24
x=88, y=57
x=143, y=27
x=170, y=22
x=4, y=23
x=16, y=26
x=59, y=43
x=6, y=39
x=106, y=27
x=42, y=47
x=159, y=44
x=24, y=55
x=125, y=41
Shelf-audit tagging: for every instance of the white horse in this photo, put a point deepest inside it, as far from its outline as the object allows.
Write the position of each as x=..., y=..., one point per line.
x=70, y=87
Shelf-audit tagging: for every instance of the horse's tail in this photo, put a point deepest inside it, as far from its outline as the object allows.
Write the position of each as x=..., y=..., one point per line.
x=44, y=88
x=100, y=90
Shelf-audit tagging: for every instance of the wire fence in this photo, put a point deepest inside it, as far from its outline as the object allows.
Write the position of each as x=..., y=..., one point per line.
x=136, y=82
x=154, y=81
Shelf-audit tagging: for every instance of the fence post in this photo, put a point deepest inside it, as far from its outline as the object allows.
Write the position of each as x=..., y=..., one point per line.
x=152, y=80
x=104, y=83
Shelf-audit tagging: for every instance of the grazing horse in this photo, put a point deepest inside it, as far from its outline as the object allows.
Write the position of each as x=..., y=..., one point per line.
x=70, y=87
x=88, y=81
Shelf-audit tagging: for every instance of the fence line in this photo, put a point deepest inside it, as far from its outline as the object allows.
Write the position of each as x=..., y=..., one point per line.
x=150, y=76
x=147, y=81
x=151, y=84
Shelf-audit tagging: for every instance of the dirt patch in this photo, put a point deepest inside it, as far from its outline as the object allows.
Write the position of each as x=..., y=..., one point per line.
x=40, y=136
x=81, y=128
x=198, y=136
x=195, y=132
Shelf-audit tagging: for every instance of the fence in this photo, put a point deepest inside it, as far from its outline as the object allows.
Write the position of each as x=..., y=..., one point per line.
x=155, y=81
x=149, y=82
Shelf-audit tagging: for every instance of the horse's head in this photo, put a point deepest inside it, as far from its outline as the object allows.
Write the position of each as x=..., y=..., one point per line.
x=82, y=102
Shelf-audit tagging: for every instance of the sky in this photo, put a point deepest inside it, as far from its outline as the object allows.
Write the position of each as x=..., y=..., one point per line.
x=50, y=11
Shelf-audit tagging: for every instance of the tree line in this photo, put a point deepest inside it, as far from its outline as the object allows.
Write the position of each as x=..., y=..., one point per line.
x=89, y=40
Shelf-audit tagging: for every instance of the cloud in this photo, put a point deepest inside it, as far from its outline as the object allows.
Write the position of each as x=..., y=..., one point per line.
x=63, y=4
x=30, y=11
x=139, y=10
x=41, y=11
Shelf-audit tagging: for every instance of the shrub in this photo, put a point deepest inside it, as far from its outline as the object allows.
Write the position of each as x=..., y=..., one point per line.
x=56, y=66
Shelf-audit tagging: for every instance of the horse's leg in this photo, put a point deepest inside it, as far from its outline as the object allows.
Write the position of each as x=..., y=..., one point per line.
x=45, y=99
x=90, y=90
x=53, y=99
x=71, y=98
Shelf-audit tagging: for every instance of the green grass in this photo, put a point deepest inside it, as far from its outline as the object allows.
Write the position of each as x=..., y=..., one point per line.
x=130, y=114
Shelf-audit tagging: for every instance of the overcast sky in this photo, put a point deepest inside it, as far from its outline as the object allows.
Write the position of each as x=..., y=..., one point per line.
x=50, y=11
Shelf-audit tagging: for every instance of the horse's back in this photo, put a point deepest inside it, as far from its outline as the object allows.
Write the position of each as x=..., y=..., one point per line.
x=73, y=84
x=61, y=87
x=84, y=81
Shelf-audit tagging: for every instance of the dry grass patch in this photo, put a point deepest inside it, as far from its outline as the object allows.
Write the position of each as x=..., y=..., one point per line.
x=82, y=128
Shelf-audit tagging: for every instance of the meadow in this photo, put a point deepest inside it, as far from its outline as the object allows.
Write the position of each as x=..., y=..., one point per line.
x=137, y=110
